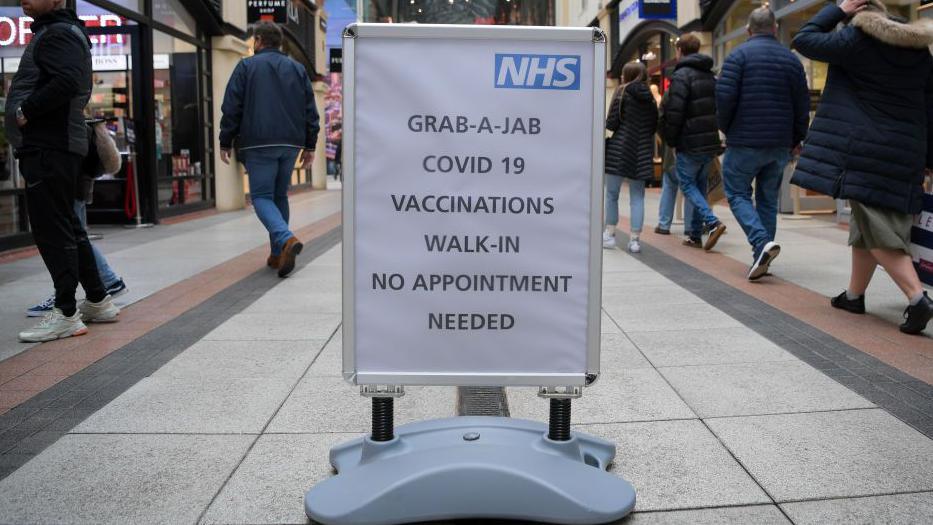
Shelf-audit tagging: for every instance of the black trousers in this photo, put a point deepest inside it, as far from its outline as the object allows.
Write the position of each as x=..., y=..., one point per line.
x=51, y=183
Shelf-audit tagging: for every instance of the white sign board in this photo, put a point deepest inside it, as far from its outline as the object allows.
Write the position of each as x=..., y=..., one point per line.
x=472, y=204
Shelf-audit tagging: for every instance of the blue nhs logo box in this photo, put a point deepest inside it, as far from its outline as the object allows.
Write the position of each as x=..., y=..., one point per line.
x=521, y=71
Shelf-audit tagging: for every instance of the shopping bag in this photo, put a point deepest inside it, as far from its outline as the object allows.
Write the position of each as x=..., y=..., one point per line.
x=921, y=241
x=715, y=191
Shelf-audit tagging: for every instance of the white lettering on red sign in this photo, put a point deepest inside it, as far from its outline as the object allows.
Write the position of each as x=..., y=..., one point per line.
x=16, y=31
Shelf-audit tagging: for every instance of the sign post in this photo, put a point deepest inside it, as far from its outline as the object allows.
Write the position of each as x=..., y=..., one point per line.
x=472, y=257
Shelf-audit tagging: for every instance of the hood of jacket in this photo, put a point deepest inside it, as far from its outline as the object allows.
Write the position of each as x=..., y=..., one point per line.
x=877, y=24
x=697, y=61
x=639, y=91
x=67, y=16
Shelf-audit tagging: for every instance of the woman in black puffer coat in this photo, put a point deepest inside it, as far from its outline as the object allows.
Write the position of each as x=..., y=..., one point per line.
x=633, y=119
x=870, y=141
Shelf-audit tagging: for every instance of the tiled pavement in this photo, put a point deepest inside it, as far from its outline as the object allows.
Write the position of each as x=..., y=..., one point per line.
x=718, y=419
x=186, y=263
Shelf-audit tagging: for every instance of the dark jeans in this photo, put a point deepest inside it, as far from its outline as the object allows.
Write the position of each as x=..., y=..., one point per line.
x=51, y=177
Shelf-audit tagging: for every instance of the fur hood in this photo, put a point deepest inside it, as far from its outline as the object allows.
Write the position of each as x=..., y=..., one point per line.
x=875, y=23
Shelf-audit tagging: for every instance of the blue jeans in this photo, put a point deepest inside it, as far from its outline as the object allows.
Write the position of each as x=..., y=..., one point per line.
x=693, y=176
x=636, y=201
x=106, y=272
x=666, y=209
x=764, y=166
x=270, y=174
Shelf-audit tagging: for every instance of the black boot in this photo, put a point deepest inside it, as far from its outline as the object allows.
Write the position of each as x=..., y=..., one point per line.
x=842, y=302
x=917, y=316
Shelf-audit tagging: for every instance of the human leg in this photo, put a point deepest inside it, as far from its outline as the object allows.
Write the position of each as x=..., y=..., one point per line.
x=740, y=167
x=283, y=180
x=613, y=185
x=107, y=275
x=900, y=267
x=692, y=174
x=636, y=196
x=768, y=188
x=262, y=168
x=863, y=269
x=669, y=188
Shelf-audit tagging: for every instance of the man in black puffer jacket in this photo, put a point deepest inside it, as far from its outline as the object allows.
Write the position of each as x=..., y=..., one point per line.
x=45, y=125
x=688, y=122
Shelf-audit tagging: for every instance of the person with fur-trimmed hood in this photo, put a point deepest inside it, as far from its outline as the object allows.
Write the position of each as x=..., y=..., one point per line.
x=872, y=139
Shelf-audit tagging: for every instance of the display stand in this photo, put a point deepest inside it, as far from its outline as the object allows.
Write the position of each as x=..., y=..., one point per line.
x=472, y=467
x=516, y=314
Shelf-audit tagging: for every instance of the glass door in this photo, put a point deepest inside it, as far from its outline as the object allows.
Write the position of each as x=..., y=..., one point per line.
x=115, y=98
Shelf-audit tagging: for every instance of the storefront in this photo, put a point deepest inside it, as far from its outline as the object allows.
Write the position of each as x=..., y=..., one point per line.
x=488, y=12
x=151, y=79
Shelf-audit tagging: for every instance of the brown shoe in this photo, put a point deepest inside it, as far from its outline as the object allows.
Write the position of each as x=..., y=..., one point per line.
x=287, y=260
x=273, y=261
x=715, y=232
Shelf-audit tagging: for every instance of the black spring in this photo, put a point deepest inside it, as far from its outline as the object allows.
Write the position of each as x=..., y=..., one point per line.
x=383, y=419
x=559, y=428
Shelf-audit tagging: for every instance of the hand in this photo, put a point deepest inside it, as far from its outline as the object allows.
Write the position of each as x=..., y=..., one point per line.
x=225, y=155
x=850, y=7
x=796, y=151
x=21, y=121
x=306, y=159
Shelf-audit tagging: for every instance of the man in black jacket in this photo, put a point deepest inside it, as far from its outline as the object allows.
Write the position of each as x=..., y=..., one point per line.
x=688, y=122
x=270, y=113
x=45, y=124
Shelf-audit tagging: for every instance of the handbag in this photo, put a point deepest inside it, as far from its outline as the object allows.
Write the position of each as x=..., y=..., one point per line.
x=921, y=241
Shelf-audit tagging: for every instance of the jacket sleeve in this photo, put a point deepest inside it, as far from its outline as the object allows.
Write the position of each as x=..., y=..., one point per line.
x=312, y=119
x=801, y=97
x=614, y=118
x=817, y=39
x=232, y=107
x=728, y=89
x=62, y=57
x=930, y=120
x=674, y=109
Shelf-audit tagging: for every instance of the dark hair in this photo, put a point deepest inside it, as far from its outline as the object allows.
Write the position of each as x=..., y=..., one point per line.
x=634, y=71
x=761, y=21
x=270, y=34
x=688, y=44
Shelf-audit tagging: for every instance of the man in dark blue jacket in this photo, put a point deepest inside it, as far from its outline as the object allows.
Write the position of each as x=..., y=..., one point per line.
x=270, y=115
x=763, y=108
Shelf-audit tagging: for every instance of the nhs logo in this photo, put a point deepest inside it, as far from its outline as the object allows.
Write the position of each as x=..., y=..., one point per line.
x=516, y=71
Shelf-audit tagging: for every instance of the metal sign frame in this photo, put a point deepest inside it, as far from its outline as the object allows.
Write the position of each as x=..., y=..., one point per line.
x=355, y=32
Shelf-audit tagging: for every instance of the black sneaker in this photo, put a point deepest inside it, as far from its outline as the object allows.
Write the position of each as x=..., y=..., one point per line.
x=761, y=265
x=842, y=302
x=661, y=231
x=917, y=316
x=692, y=242
x=714, y=231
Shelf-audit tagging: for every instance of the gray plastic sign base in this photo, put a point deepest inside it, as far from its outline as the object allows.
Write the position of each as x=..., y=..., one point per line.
x=471, y=467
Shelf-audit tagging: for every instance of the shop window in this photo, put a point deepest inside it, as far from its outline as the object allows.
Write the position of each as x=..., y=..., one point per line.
x=132, y=5
x=174, y=15
x=181, y=169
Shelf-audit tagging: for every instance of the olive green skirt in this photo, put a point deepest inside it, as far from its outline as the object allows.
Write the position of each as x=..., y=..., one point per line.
x=874, y=228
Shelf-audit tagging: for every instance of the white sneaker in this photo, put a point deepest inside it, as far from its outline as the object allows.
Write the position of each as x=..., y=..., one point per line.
x=634, y=246
x=103, y=312
x=762, y=264
x=54, y=326
x=609, y=240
